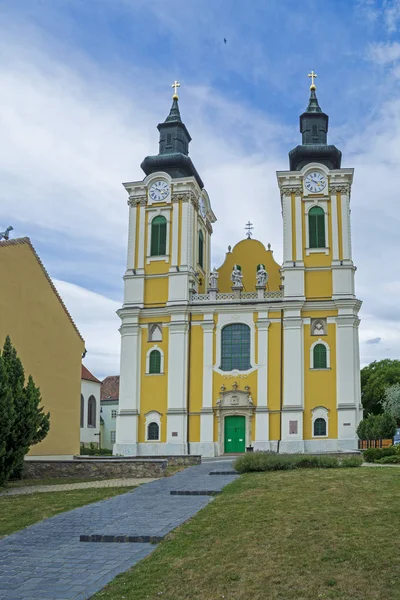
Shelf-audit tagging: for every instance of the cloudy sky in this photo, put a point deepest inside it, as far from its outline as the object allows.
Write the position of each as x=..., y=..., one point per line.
x=83, y=84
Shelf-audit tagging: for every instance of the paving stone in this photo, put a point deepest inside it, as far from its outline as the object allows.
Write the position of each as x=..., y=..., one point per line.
x=50, y=556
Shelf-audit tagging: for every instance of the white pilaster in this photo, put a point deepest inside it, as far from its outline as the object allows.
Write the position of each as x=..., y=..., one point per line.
x=177, y=384
x=299, y=229
x=334, y=220
x=175, y=235
x=141, y=241
x=346, y=241
x=287, y=227
x=130, y=263
x=129, y=387
x=293, y=360
x=262, y=372
x=207, y=414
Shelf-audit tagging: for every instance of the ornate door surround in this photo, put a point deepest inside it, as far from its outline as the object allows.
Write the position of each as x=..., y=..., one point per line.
x=234, y=402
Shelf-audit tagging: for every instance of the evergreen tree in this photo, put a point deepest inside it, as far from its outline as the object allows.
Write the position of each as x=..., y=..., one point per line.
x=7, y=420
x=30, y=423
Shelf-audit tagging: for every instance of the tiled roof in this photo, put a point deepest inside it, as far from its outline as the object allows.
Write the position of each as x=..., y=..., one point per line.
x=26, y=240
x=110, y=388
x=86, y=374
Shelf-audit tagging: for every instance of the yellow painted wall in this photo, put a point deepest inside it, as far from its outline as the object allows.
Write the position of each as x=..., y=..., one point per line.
x=320, y=386
x=248, y=254
x=47, y=343
x=156, y=291
x=153, y=388
x=318, y=284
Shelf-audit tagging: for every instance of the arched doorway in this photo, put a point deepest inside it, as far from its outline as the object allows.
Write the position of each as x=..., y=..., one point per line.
x=235, y=434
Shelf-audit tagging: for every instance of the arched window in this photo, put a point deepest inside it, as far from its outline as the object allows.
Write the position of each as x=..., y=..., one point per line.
x=82, y=411
x=235, y=347
x=316, y=227
x=153, y=431
x=319, y=355
x=319, y=426
x=91, y=416
x=155, y=362
x=158, y=236
x=201, y=249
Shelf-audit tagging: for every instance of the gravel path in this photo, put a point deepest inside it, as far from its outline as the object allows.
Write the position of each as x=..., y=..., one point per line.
x=105, y=483
x=48, y=560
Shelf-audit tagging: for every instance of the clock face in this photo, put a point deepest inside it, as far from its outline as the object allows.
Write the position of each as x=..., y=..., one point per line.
x=159, y=191
x=202, y=207
x=315, y=182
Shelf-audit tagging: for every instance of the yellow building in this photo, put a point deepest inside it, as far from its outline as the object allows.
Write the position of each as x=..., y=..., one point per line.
x=47, y=342
x=255, y=353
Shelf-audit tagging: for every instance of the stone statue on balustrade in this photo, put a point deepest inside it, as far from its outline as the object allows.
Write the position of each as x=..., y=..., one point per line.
x=237, y=277
x=213, y=280
x=261, y=276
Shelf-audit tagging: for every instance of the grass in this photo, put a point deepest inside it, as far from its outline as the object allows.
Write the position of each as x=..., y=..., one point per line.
x=287, y=535
x=17, y=512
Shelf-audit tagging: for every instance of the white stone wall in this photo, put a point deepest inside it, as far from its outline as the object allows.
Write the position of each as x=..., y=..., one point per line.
x=90, y=434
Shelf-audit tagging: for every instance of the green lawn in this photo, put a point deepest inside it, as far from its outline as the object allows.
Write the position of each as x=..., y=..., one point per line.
x=297, y=535
x=50, y=481
x=17, y=512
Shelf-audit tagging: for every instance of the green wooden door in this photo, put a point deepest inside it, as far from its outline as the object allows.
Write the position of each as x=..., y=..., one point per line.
x=235, y=438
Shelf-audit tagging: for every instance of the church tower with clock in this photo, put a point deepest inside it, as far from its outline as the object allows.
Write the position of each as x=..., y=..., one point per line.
x=253, y=354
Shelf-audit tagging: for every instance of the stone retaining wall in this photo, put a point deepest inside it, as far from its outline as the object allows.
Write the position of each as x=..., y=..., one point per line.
x=85, y=468
x=173, y=460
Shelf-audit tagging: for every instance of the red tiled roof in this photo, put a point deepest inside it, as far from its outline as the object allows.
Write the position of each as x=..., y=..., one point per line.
x=26, y=240
x=86, y=374
x=110, y=388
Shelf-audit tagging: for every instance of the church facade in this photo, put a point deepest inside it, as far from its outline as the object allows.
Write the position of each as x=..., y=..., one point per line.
x=255, y=354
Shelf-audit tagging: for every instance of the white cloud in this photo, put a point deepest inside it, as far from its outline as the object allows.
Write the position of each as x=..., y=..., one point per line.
x=98, y=324
x=384, y=53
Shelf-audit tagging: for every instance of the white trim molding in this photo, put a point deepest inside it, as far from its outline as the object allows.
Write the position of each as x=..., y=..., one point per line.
x=149, y=351
x=328, y=355
x=320, y=412
x=152, y=417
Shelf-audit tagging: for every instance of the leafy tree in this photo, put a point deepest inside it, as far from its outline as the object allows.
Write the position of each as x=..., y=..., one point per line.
x=376, y=427
x=375, y=378
x=391, y=401
x=30, y=424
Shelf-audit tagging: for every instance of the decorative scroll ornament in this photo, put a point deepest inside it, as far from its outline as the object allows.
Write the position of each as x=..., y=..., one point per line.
x=342, y=188
x=288, y=191
x=134, y=200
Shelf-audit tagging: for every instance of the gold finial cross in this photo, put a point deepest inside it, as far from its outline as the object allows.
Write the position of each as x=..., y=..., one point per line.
x=175, y=85
x=313, y=76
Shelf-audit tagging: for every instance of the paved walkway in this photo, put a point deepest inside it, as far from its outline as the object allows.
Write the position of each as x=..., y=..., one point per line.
x=47, y=560
x=104, y=483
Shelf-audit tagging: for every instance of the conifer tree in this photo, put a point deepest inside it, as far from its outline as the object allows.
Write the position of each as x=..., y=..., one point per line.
x=7, y=419
x=30, y=423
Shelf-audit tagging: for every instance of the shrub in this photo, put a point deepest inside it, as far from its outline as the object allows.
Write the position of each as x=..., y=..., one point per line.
x=373, y=454
x=95, y=451
x=351, y=461
x=390, y=460
x=270, y=461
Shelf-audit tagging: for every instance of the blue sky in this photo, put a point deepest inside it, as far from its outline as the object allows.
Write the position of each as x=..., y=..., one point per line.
x=83, y=85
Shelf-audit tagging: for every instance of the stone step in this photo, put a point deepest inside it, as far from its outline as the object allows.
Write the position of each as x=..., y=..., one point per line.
x=223, y=473
x=122, y=539
x=194, y=492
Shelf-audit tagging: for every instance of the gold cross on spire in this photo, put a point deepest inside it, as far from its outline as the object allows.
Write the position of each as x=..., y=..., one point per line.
x=313, y=76
x=175, y=85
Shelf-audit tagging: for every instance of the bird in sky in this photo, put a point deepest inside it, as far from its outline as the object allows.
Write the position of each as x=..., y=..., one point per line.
x=224, y=40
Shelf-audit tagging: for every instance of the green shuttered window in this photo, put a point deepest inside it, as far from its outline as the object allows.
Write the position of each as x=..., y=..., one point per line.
x=158, y=236
x=320, y=427
x=235, y=347
x=316, y=227
x=201, y=249
x=155, y=362
x=320, y=359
